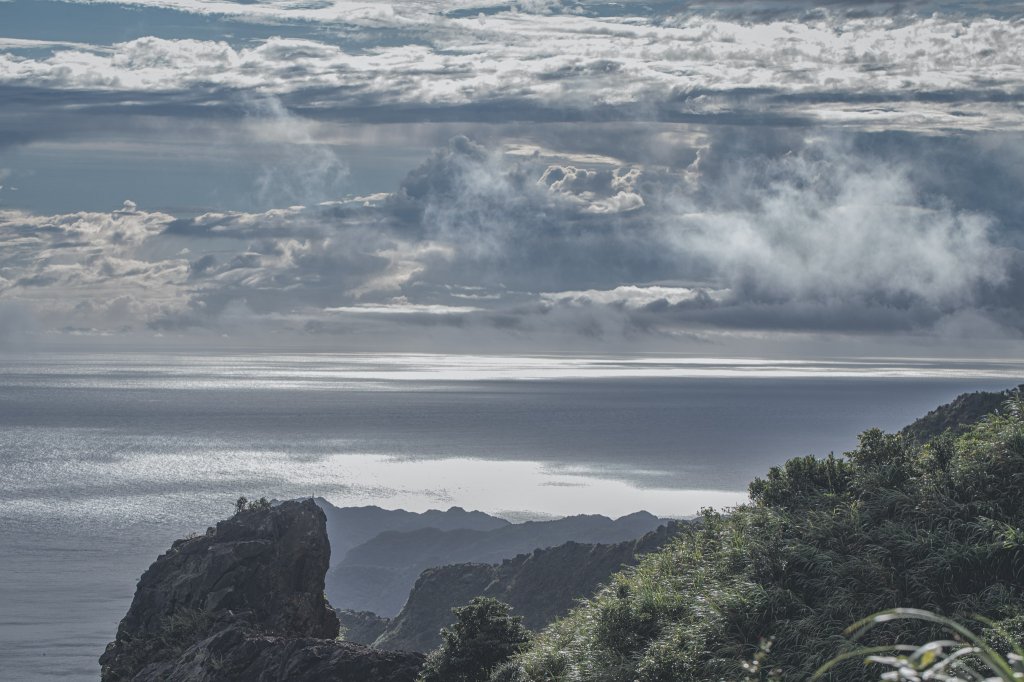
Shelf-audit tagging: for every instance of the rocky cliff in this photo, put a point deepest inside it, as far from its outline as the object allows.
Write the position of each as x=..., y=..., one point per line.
x=540, y=586
x=245, y=601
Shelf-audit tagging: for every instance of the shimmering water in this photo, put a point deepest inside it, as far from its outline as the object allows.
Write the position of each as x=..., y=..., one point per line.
x=105, y=459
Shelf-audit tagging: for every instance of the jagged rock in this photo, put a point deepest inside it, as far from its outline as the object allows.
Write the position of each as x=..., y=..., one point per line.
x=245, y=601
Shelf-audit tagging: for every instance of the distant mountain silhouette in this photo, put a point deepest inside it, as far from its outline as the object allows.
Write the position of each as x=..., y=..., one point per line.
x=351, y=526
x=378, y=574
x=540, y=586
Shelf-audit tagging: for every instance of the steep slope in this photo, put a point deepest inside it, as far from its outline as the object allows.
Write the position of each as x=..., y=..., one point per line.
x=351, y=526
x=824, y=543
x=244, y=601
x=377, y=575
x=958, y=415
x=540, y=586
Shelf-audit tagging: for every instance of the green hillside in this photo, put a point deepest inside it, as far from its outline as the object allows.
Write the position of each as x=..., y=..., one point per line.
x=825, y=543
x=958, y=414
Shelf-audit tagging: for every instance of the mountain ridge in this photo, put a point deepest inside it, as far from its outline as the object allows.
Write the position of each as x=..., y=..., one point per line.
x=958, y=414
x=348, y=527
x=378, y=575
x=540, y=586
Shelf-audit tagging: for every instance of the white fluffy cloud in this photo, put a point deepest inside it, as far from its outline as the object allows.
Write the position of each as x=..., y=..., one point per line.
x=917, y=72
x=820, y=240
x=834, y=228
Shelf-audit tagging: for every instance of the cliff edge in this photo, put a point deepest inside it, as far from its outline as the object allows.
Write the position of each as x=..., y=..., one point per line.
x=245, y=601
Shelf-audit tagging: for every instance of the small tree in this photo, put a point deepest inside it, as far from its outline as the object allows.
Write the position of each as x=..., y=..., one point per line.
x=245, y=504
x=483, y=637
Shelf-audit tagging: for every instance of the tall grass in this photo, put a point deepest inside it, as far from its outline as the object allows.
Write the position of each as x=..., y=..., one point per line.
x=966, y=657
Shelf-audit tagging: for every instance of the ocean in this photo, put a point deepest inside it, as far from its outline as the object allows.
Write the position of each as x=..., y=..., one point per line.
x=105, y=459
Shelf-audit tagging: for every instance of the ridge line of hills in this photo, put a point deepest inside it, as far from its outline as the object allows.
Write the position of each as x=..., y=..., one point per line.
x=378, y=574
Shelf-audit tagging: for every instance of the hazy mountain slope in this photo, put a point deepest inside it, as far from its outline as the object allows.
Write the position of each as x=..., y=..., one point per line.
x=540, y=586
x=377, y=575
x=351, y=526
x=958, y=415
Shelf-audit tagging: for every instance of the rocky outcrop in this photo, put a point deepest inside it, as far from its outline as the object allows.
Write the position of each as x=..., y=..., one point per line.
x=540, y=586
x=245, y=601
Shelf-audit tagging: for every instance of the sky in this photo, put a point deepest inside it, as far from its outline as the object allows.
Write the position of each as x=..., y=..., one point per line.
x=769, y=178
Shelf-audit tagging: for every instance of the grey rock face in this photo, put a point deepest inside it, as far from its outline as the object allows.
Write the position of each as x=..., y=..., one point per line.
x=245, y=601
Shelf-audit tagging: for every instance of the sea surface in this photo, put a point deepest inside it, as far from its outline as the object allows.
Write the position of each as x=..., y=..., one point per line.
x=106, y=459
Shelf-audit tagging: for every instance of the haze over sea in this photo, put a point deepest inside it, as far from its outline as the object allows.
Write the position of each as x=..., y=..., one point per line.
x=105, y=459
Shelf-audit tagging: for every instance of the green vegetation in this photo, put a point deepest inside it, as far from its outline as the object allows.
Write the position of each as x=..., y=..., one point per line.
x=243, y=503
x=965, y=658
x=824, y=543
x=483, y=637
x=959, y=415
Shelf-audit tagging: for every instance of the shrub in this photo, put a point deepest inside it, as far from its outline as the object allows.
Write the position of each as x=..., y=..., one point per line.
x=483, y=637
x=245, y=504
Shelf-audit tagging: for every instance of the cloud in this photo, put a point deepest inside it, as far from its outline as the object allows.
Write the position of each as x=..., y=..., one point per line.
x=604, y=173
x=806, y=235
x=827, y=226
x=303, y=171
x=636, y=297
x=916, y=72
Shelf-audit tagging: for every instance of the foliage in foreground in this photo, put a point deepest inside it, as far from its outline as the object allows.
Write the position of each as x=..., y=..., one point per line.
x=825, y=542
x=964, y=658
x=483, y=636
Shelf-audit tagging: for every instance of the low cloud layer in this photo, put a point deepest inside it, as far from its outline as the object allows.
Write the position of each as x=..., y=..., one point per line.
x=499, y=246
